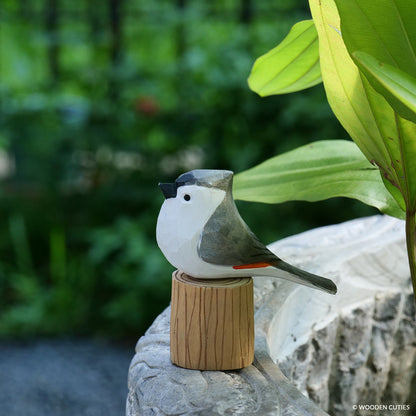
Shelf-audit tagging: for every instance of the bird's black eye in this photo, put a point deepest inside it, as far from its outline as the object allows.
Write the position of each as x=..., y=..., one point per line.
x=187, y=197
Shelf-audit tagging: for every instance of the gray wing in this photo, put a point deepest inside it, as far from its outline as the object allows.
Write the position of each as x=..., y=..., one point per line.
x=227, y=240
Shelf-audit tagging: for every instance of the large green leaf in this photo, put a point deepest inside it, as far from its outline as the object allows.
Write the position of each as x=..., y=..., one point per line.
x=364, y=113
x=387, y=49
x=386, y=31
x=342, y=82
x=384, y=28
x=397, y=86
x=291, y=66
x=318, y=171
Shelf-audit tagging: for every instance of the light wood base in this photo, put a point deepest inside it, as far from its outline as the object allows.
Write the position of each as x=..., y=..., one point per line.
x=212, y=323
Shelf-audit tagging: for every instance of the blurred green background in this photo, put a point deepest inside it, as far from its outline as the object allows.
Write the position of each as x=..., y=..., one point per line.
x=99, y=101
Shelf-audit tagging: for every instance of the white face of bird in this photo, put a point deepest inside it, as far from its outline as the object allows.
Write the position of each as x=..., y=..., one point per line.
x=187, y=213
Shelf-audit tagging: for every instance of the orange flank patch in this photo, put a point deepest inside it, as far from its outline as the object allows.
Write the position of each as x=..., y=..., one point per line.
x=252, y=266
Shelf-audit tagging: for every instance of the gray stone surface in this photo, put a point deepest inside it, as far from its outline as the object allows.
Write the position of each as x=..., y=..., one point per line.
x=315, y=353
x=63, y=378
x=358, y=347
x=157, y=387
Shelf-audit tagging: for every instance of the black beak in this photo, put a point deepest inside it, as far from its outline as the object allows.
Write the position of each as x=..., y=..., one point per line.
x=168, y=189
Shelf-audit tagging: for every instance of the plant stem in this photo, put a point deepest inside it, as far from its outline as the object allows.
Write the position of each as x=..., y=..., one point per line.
x=411, y=246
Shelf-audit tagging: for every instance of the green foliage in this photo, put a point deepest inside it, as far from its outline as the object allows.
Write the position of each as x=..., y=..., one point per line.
x=132, y=275
x=91, y=121
x=44, y=305
x=365, y=35
x=314, y=172
x=367, y=59
x=112, y=289
x=392, y=43
x=379, y=132
x=396, y=85
x=96, y=108
x=291, y=66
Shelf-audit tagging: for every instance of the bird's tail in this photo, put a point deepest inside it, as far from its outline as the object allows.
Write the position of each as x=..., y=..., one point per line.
x=297, y=275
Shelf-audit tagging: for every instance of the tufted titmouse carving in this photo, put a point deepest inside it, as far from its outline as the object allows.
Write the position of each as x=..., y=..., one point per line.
x=201, y=232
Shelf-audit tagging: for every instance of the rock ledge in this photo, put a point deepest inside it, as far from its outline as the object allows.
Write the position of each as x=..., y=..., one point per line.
x=315, y=353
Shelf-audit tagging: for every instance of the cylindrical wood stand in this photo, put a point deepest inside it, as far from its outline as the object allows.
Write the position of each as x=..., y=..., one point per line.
x=212, y=323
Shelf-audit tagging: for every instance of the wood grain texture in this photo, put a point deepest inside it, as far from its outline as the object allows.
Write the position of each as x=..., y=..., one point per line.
x=212, y=323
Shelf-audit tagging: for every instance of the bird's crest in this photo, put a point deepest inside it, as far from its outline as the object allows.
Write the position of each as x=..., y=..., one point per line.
x=211, y=178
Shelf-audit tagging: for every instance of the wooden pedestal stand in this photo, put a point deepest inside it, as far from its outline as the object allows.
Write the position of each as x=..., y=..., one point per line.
x=212, y=323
